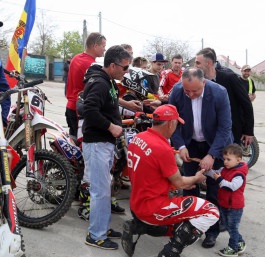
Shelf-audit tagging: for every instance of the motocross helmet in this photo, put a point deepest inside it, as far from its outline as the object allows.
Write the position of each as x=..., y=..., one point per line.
x=137, y=80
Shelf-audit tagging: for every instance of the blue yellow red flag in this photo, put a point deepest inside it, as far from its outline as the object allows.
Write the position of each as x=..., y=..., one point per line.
x=20, y=39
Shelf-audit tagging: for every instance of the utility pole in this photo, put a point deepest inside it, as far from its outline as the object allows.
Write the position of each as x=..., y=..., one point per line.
x=202, y=43
x=246, y=56
x=100, y=23
x=84, y=33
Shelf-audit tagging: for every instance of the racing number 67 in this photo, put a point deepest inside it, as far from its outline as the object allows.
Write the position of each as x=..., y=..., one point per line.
x=132, y=164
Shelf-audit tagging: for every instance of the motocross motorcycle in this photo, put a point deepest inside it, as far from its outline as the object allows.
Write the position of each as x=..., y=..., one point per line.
x=45, y=182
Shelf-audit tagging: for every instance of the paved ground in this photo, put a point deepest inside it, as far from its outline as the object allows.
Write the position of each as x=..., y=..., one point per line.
x=66, y=237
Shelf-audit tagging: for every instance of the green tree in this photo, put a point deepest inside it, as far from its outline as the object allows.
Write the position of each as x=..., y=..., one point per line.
x=70, y=45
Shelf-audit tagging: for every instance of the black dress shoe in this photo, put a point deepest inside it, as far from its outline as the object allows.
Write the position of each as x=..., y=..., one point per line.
x=209, y=241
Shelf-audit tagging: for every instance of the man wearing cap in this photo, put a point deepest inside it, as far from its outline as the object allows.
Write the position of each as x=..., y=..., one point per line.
x=247, y=82
x=153, y=170
x=205, y=107
x=157, y=63
x=4, y=87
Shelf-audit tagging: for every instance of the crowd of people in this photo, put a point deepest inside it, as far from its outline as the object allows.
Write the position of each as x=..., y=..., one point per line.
x=216, y=110
x=203, y=111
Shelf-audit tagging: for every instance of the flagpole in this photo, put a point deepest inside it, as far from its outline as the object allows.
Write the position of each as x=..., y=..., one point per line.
x=22, y=65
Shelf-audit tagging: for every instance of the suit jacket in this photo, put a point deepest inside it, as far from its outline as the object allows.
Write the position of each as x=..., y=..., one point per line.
x=241, y=107
x=215, y=117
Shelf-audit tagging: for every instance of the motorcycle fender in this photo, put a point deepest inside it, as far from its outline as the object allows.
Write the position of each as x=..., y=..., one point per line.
x=38, y=122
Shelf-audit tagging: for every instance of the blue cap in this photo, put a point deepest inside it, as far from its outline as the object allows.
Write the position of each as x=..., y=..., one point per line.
x=158, y=57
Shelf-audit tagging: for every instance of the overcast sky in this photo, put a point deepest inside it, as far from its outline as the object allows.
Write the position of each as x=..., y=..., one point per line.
x=232, y=28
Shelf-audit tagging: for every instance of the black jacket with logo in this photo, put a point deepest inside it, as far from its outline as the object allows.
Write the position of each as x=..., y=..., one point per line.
x=100, y=106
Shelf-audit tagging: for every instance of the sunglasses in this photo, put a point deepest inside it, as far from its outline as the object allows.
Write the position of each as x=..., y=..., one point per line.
x=98, y=38
x=123, y=67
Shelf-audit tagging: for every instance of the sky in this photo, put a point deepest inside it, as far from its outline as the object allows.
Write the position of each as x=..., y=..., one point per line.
x=233, y=28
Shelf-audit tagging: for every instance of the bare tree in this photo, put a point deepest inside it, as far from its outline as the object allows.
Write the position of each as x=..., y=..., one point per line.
x=168, y=48
x=44, y=43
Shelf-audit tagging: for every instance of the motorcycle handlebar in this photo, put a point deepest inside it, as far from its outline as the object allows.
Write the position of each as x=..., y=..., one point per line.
x=33, y=83
x=4, y=95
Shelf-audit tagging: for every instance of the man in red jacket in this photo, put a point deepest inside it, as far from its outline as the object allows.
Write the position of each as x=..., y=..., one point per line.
x=95, y=47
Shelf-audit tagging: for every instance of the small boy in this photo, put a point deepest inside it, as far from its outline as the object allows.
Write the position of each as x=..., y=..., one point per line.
x=232, y=181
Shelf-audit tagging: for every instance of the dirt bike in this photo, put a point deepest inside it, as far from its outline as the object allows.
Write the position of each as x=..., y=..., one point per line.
x=45, y=183
x=11, y=239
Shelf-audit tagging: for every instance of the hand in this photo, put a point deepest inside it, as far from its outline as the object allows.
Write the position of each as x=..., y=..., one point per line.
x=200, y=176
x=115, y=130
x=216, y=175
x=184, y=154
x=207, y=162
x=135, y=105
x=164, y=98
x=152, y=103
x=247, y=140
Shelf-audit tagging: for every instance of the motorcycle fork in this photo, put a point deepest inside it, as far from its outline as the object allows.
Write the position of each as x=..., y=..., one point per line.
x=30, y=144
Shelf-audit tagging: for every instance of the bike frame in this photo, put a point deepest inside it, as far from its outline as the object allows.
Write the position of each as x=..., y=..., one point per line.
x=9, y=228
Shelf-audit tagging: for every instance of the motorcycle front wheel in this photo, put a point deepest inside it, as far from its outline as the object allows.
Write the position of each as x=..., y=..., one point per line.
x=44, y=199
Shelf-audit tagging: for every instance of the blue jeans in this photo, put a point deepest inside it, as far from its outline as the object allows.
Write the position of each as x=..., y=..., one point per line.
x=98, y=159
x=231, y=220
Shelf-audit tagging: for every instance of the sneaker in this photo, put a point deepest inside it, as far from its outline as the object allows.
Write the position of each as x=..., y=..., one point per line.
x=83, y=213
x=127, y=238
x=115, y=208
x=228, y=251
x=241, y=247
x=106, y=244
x=113, y=234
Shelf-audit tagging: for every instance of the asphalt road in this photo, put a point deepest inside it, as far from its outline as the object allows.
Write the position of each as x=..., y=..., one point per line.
x=66, y=237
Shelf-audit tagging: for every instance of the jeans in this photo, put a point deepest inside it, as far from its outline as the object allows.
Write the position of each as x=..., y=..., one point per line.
x=231, y=219
x=98, y=159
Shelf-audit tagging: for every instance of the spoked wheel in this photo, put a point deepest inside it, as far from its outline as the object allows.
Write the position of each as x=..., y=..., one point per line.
x=251, y=152
x=43, y=200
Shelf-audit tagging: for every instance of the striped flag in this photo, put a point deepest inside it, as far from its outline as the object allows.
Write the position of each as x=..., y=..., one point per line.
x=20, y=39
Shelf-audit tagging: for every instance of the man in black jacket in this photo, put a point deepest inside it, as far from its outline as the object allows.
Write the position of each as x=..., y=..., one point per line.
x=241, y=107
x=101, y=127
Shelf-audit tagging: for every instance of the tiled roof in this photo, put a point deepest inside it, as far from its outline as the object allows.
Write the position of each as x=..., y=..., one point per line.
x=259, y=68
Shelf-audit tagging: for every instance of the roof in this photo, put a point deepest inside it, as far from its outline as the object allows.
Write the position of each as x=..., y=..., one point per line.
x=259, y=68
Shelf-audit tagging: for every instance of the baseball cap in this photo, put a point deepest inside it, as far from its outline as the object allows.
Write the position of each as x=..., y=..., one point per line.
x=1, y=23
x=245, y=67
x=167, y=112
x=158, y=57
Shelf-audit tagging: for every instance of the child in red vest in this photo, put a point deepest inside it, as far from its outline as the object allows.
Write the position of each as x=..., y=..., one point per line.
x=232, y=181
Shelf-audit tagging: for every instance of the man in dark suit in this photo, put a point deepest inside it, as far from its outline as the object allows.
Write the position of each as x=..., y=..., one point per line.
x=241, y=107
x=205, y=107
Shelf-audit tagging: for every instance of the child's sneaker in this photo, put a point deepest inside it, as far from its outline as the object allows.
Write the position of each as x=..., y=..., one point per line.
x=106, y=244
x=241, y=247
x=228, y=251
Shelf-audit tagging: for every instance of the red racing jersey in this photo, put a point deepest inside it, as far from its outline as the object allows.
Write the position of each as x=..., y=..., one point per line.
x=167, y=80
x=151, y=161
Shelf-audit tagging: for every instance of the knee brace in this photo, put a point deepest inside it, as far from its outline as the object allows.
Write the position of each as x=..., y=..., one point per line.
x=186, y=234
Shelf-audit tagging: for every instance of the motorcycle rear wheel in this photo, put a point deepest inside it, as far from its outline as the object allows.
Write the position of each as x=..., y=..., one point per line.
x=45, y=199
